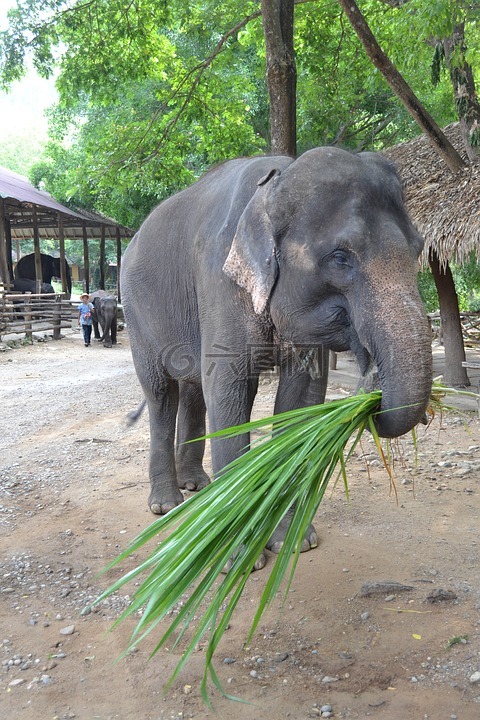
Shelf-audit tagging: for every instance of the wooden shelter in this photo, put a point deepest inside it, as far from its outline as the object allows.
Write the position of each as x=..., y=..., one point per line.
x=444, y=207
x=26, y=212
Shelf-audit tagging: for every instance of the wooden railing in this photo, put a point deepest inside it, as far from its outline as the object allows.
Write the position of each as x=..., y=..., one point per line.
x=26, y=313
x=470, y=327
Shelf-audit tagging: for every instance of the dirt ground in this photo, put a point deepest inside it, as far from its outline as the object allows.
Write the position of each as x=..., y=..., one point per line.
x=73, y=492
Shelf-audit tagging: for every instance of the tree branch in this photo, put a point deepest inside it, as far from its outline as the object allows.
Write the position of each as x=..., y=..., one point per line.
x=196, y=71
x=400, y=87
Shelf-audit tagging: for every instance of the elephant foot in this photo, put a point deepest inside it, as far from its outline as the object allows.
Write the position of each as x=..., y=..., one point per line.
x=259, y=563
x=192, y=481
x=275, y=543
x=161, y=502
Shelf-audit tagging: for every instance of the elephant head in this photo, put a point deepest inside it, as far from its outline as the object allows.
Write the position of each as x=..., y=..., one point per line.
x=327, y=249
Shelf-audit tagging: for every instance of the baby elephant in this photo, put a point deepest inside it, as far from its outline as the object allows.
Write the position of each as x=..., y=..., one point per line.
x=105, y=315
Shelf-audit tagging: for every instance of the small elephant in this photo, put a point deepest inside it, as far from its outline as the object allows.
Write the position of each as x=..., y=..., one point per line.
x=271, y=261
x=105, y=315
x=25, y=268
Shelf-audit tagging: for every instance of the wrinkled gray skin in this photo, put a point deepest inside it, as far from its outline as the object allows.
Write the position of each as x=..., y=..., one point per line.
x=259, y=255
x=106, y=315
x=25, y=268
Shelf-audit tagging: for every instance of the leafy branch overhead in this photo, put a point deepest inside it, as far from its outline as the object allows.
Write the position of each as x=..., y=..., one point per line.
x=152, y=94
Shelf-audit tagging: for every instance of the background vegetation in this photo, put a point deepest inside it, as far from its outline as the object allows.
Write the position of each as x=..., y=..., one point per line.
x=467, y=285
x=152, y=93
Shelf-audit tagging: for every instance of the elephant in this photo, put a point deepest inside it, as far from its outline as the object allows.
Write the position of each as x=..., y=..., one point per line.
x=24, y=285
x=25, y=268
x=105, y=315
x=259, y=263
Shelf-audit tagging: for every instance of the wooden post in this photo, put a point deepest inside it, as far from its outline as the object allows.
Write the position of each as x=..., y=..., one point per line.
x=57, y=318
x=8, y=244
x=3, y=246
x=86, y=259
x=333, y=360
x=28, y=317
x=36, y=249
x=102, y=259
x=3, y=315
x=63, y=272
x=119, y=265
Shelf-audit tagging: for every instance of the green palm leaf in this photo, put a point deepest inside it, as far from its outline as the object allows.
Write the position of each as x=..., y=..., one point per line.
x=290, y=464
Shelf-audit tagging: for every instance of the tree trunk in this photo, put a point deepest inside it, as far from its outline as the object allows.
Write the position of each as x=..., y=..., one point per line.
x=455, y=374
x=466, y=102
x=400, y=87
x=86, y=260
x=102, y=259
x=4, y=269
x=281, y=74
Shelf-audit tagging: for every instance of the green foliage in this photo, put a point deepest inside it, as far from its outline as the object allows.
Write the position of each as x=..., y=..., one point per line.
x=467, y=285
x=297, y=456
x=455, y=640
x=291, y=464
x=428, y=291
x=154, y=93
x=18, y=155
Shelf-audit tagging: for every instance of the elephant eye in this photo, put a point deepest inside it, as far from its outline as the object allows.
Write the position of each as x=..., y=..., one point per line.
x=340, y=257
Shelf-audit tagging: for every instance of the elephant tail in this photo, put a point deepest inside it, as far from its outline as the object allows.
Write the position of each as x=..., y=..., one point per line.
x=134, y=415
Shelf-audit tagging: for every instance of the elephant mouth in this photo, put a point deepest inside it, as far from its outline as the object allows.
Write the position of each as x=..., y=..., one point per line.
x=310, y=355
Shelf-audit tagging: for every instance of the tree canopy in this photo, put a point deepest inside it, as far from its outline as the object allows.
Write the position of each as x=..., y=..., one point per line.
x=153, y=93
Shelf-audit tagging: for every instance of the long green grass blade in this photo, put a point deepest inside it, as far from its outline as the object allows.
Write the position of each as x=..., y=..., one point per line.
x=290, y=465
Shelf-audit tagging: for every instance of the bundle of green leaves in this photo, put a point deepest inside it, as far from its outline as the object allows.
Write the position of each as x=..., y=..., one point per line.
x=290, y=465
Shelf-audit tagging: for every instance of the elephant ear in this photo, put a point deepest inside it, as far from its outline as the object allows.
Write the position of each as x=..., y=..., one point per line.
x=251, y=262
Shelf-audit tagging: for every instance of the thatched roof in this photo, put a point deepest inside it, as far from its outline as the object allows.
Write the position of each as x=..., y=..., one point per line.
x=444, y=207
x=24, y=205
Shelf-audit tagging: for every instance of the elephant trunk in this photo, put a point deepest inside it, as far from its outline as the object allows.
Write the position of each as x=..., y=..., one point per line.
x=400, y=345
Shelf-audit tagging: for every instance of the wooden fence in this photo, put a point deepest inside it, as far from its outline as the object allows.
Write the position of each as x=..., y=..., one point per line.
x=470, y=322
x=26, y=313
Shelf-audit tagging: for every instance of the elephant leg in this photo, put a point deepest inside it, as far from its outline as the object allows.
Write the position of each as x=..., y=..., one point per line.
x=296, y=389
x=95, y=330
x=113, y=331
x=107, y=337
x=190, y=425
x=240, y=393
x=162, y=407
x=229, y=402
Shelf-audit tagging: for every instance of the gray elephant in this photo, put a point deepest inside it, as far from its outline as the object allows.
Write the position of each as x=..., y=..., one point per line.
x=105, y=315
x=259, y=261
x=24, y=285
x=25, y=268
